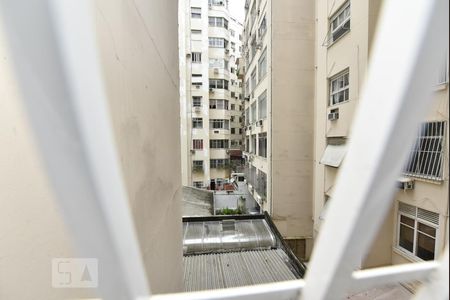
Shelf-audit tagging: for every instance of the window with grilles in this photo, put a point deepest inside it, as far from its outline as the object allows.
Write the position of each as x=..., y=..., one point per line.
x=427, y=155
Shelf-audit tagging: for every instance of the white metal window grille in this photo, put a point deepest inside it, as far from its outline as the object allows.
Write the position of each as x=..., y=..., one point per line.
x=196, y=101
x=427, y=155
x=218, y=163
x=197, y=122
x=196, y=57
x=340, y=22
x=218, y=144
x=218, y=22
x=365, y=181
x=219, y=124
x=339, y=88
x=197, y=144
x=262, y=65
x=218, y=104
x=262, y=143
x=417, y=231
x=215, y=42
x=262, y=105
x=196, y=12
x=218, y=84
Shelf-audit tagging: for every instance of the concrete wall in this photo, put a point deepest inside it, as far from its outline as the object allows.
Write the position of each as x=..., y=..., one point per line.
x=138, y=50
x=292, y=94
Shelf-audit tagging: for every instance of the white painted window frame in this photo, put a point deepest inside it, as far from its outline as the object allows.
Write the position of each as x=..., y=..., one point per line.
x=340, y=25
x=339, y=90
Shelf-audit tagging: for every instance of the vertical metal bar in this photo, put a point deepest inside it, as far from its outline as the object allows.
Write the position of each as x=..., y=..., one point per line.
x=366, y=182
x=54, y=50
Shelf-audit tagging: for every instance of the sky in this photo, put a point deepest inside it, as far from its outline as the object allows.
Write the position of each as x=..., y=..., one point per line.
x=236, y=8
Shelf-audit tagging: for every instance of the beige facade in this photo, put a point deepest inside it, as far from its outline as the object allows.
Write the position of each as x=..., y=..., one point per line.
x=140, y=66
x=344, y=35
x=211, y=97
x=279, y=120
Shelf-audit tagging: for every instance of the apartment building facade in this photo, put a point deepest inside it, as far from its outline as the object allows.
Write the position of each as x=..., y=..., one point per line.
x=416, y=227
x=211, y=101
x=279, y=95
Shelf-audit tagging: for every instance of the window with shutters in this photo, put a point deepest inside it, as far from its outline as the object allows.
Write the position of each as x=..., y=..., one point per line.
x=417, y=231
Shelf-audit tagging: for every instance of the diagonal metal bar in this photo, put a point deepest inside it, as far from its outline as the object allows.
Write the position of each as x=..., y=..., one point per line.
x=54, y=51
x=384, y=127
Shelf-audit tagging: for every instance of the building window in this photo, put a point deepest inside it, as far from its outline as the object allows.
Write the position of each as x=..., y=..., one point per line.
x=219, y=124
x=218, y=63
x=217, y=2
x=196, y=57
x=261, y=183
x=196, y=31
x=197, y=123
x=253, y=79
x=233, y=107
x=262, y=28
x=196, y=12
x=417, y=229
x=262, y=65
x=427, y=155
x=218, y=22
x=262, y=105
x=443, y=71
x=197, y=84
x=253, y=113
x=232, y=32
x=247, y=144
x=196, y=101
x=340, y=22
x=218, y=84
x=339, y=88
x=253, y=47
x=218, y=163
x=247, y=88
x=218, y=144
x=218, y=104
x=247, y=117
x=197, y=165
x=197, y=144
x=233, y=131
x=253, y=139
x=262, y=144
x=215, y=42
x=198, y=184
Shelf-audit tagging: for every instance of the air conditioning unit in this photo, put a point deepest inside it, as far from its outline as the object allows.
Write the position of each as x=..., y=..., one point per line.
x=333, y=116
x=259, y=11
x=198, y=109
x=197, y=87
x=211, y=90
x=227, y=51
x=216, y=131
x=227, y=151
x=260, y=123
x=216, y=70
x=405, y=183
x=192, y=151
x=247, y=98
x=188, y=55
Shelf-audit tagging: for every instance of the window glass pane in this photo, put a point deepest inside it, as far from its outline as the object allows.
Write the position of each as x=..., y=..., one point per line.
x=427, y=229
x=406, y=238
x=425, y=246
x=407, y=221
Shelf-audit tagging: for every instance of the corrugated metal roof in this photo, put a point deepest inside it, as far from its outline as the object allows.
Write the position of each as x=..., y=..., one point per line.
x=232, y=269
x=227, y=235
